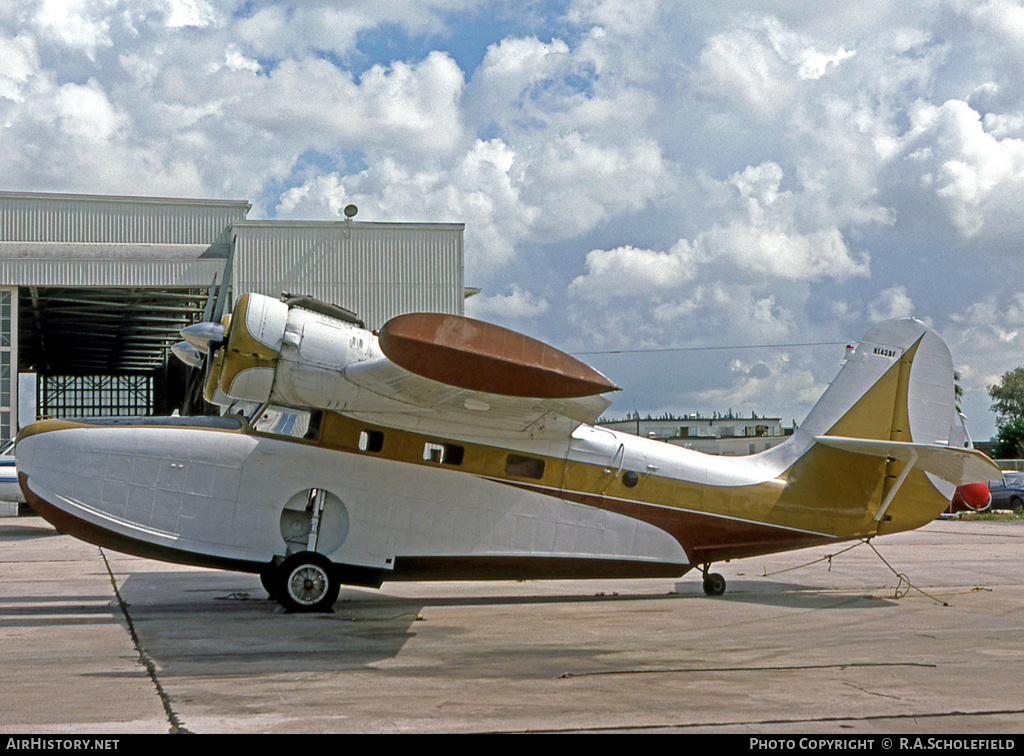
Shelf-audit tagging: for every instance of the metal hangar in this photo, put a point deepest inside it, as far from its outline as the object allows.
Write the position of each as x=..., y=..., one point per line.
x=94, y=289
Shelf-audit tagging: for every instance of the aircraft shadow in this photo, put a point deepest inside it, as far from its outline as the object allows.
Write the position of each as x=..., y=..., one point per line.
x=801, y=596
x=214, y=623
x=23, y=532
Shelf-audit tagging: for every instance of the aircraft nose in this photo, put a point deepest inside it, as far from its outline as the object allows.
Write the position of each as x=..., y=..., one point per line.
x=45, y=446
x=33, y=458
x=134, y=479
x=24, y=447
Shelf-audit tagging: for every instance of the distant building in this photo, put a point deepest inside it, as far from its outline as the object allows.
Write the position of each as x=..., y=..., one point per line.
x=725, y=435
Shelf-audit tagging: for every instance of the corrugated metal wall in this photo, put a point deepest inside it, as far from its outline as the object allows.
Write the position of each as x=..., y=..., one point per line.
x=173, y=274
x=125, y=220
x=377, y=270
x=8, y=363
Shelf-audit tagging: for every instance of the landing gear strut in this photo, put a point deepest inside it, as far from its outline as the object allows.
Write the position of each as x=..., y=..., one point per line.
x=714, y=584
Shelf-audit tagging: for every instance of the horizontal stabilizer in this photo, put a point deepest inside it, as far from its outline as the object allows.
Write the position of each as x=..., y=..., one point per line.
x=951, y=464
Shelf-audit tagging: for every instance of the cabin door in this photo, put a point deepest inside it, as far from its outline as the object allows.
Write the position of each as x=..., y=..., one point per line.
x=597, y=459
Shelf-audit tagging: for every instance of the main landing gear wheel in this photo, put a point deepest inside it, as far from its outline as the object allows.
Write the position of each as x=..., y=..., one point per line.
x=714, y=584
x=268, y=579
x=307, y=582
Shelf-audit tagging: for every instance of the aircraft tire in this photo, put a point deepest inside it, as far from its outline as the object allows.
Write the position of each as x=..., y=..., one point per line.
x=714, y=584
x=307, y=582
x=269, y=581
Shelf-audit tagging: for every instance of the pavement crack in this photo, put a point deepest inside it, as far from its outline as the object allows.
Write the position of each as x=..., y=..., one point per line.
x=144, y=658
x=871, y=692
x=779, y=668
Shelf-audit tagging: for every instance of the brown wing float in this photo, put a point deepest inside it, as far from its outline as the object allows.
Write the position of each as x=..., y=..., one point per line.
x=480, y=356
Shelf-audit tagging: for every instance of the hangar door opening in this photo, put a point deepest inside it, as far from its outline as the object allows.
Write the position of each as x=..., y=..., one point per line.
x=104, y=351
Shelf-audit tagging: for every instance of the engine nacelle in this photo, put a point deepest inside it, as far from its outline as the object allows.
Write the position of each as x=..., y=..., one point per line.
x=286, y=354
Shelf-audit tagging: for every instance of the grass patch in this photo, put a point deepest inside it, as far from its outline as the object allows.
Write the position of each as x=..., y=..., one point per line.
x=996, y=515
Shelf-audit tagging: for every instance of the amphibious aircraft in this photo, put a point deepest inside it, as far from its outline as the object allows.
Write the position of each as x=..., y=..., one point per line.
x=443, y=447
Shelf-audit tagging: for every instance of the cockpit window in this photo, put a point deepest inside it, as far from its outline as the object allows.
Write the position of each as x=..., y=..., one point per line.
x=248, y=410
x=288, y=421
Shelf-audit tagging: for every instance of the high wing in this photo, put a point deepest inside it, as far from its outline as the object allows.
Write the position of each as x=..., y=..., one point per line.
x=421, y=400
x=422, y=370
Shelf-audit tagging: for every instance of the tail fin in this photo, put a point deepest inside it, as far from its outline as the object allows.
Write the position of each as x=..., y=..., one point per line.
x=888, y=430
x=896, y=386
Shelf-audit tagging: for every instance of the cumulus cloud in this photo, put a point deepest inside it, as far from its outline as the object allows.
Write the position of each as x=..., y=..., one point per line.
x=745, y=277
x=513, y=73
x=19, y=61
x=75, y=24
x=631, y=272
x=752, y=384
x=515, y=305
x=741, y=67
x=970, y=171
x=479, y=190
x=989, y=337
x=643, y=173
x=278, y=30
x=891, y=303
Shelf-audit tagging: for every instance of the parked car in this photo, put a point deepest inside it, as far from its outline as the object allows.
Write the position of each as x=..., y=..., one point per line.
x=1008, y=491
x=972, y=497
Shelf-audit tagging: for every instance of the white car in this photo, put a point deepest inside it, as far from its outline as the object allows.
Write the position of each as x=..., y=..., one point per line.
x=9, y=488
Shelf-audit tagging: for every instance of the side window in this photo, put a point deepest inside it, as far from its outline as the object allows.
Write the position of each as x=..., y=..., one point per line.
x=445, y=454
x=371, y=441
x=519, y=466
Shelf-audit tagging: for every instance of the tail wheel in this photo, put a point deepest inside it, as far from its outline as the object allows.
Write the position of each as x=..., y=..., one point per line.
x=714, y=584
x=307, y=582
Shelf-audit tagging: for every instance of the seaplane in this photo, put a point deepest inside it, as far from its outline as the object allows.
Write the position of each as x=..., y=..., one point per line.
x=445, y=448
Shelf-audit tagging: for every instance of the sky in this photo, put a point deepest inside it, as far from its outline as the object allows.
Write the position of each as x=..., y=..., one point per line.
x=706, y=201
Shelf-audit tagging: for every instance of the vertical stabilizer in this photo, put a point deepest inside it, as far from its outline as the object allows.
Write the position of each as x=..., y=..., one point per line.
x=897, y=385
x=884, y=447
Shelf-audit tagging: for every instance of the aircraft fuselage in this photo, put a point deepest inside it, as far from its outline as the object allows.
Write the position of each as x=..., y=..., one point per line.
x=393, y=504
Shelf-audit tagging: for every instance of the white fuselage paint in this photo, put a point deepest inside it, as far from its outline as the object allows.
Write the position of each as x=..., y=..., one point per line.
x=221, y=494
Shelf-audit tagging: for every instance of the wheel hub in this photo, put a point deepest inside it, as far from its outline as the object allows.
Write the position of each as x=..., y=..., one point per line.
x=307, y=584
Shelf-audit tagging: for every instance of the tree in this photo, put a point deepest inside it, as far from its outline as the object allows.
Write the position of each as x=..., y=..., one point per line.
x=1008, y=396
x=1011, y=440
x=1008, y=404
